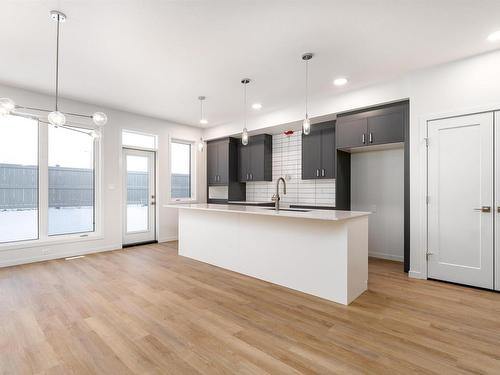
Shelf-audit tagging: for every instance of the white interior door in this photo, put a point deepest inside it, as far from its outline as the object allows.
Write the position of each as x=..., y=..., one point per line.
x=139, y=196
x=460, y=209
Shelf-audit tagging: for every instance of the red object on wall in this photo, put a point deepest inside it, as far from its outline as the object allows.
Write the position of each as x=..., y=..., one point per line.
x=289, y=132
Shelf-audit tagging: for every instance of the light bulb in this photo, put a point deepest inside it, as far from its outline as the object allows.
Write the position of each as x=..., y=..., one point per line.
x=306, y=126
x=257, y=106
x=6, y=106
x=100, y=118
x=493, y=37
x=95, y=134
x=244, y=137
x=201, y=145
x=57, y=118
x=203, y=121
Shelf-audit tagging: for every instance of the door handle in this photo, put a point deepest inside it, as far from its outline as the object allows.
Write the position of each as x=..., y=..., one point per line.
x=484, y=209
x=323, y=173
x=498, y=209
x=363, y=138
x=371, y=137
x=317, y=172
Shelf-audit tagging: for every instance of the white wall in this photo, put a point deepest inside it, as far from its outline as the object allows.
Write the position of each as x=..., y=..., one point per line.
x=462, y=86
x=111, y=179
x=377, y=185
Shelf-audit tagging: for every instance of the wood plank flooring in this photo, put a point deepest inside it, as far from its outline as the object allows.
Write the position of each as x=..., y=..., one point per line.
x=146, y=310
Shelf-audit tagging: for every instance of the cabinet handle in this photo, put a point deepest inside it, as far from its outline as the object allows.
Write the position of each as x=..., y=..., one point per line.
x=371, y=137
x=323, y=173
x=317, y=172
x=363, y=138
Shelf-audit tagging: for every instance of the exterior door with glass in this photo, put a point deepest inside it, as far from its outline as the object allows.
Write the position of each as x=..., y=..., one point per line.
x=139, y=196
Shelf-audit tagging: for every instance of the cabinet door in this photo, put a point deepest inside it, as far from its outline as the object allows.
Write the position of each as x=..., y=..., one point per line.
x=328, y=152
x=351, y=132
x=212, y=163
x=223, y=163
x=256, y=170
x=386, y=128
x=244, y=162
x=311, y=155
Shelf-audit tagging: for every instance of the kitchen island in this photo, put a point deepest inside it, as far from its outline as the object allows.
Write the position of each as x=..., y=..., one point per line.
x=319, y=252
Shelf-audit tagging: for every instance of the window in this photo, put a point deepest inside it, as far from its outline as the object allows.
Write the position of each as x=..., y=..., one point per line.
x=18, y=179
x=138, y=140
x=181, y=170
x=71, y=182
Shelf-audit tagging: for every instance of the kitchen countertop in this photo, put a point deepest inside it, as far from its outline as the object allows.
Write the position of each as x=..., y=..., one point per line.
x=330, y=215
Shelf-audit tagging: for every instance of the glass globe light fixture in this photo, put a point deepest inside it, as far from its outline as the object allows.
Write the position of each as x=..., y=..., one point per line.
x=306, y=126
x=57, y=118
x=244, y=137
x=100, y=118
x=95, y=134
x=6, y=106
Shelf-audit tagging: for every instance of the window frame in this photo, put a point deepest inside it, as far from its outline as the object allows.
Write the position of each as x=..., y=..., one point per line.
x=43, y=197
x=135, y=147
x=194, y=194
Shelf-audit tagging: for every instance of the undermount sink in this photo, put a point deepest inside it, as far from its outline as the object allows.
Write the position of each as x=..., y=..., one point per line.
x=289, y=209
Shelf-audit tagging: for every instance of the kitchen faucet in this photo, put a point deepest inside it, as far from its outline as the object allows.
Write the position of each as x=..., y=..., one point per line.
x=276, y=197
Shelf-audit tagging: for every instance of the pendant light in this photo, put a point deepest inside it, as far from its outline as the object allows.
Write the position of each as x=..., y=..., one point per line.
x=244, y=136
x=56, y=117
x=306, y=124
x=203, y=120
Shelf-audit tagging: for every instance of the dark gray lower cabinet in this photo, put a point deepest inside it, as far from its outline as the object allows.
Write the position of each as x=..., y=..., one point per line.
x=318, y=152
x=378, y=126
x=255, y=159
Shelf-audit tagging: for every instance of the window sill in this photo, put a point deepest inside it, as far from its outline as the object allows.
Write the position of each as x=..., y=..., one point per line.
x=63, y=239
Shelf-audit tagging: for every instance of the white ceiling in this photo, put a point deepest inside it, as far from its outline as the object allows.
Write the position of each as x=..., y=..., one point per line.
x=155, y=57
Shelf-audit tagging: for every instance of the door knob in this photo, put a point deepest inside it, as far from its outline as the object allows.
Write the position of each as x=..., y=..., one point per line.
x=484, y=209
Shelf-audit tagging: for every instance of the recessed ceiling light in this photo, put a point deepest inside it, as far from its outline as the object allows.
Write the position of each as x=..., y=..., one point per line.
x=203, y=121
x=256, y=106
x=340, y=81
x=493, y=37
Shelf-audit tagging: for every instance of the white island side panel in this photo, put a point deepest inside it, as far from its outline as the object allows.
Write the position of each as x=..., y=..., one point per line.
x=307, y=255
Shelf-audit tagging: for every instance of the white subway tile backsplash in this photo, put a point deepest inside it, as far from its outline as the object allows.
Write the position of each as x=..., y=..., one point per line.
x=287, y=162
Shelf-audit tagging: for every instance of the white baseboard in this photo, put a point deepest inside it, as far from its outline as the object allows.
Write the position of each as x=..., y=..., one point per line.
x=168, y=239
x=58, y=255
x=416, y=275
x=397, y=258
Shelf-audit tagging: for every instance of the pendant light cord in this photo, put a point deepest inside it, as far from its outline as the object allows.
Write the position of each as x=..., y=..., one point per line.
x=57, y=62
x=245, y=104
x=307, y=87
x=201, y=109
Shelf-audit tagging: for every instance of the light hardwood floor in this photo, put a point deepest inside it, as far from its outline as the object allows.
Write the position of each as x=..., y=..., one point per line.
x=145, y=310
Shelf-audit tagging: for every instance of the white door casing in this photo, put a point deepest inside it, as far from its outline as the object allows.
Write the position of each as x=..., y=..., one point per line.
x=460, y=190
x=139, y=197
x=497, y=201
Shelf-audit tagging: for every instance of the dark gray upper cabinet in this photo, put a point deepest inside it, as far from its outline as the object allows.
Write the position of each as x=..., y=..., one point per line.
x=218, y=162
x=378, y=126
x=351, y=132
x=318, y=152
x=255, y=159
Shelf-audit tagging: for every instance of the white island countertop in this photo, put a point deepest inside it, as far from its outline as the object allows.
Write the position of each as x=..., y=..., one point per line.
x=330, y=215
